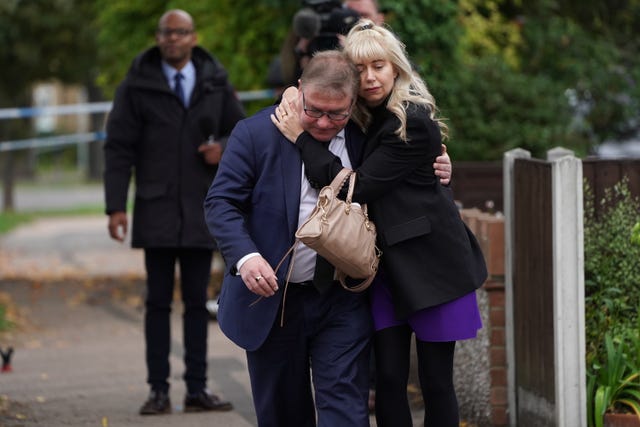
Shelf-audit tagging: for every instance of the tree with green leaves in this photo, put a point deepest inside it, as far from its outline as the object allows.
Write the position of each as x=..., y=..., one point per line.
x=506, y=73
x=243, y=35
x=42, y=40
x=533, y=74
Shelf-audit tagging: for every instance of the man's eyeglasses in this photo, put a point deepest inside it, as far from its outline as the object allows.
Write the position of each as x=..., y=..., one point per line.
x=178, y=32
x=316, y=114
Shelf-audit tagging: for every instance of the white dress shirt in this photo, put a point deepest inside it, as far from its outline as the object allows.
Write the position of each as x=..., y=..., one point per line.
x=305, y=258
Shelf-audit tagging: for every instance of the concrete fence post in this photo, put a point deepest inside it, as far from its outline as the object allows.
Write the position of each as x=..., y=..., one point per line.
x=568, y=277
x=546, y=370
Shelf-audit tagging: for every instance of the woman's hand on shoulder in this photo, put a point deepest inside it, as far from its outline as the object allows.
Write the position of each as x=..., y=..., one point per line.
x=290, y=94
x=286, y=117
x=443, y=167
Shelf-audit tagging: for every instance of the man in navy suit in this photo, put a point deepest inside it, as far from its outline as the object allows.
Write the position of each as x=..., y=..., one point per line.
x=300, y=334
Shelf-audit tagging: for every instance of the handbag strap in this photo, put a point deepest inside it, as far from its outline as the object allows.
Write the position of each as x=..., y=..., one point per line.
x=340, y=276
x=336, y=185
x=339, y=180
x=275, y=270
x=352, y=185
x=292, y=251
x=355, y=288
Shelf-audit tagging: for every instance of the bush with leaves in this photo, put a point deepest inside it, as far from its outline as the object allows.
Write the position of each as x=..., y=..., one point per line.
x=612, y=301
x=614, y=384
x=612, y=270
x=635, y=234
x=492, y=109
x=244, y=35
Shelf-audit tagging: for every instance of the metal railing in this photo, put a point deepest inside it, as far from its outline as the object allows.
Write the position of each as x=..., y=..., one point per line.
x=88, y=108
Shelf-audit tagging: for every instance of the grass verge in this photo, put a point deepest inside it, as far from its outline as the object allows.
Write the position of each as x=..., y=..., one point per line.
x=11, y=220
x=6, y=316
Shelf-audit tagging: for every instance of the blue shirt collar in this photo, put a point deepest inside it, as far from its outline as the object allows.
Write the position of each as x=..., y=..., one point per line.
x=188, y=71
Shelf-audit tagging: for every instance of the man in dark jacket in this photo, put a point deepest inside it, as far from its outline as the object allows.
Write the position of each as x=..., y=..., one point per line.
x=169, y=123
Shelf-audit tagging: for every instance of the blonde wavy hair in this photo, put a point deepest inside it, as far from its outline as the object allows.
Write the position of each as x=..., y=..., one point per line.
x=367, y=41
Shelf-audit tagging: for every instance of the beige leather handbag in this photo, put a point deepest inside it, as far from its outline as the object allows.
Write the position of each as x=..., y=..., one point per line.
x=342, y=233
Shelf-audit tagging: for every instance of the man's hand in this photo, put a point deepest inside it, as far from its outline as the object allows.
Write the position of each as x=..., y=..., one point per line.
x=443, y=167
x=212, y=152
x=259, y=277
x=118, y=225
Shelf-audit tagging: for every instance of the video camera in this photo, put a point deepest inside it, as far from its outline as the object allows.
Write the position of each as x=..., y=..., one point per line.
x=321, y=21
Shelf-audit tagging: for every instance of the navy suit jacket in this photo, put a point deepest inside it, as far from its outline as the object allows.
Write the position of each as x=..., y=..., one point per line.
x=252, y=206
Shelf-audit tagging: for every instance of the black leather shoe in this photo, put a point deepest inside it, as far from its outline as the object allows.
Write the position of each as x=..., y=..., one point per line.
x=205, y=401
x=158, y=403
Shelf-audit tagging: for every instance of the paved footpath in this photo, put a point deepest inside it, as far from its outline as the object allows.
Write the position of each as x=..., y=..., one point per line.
x=79, y=347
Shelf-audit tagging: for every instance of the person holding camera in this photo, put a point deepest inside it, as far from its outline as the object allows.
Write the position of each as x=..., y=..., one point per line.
x=367, y=9
x=318, y=26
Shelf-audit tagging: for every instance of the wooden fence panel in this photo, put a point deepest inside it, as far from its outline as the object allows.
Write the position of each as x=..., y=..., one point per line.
x=474, y=183
x=533, y=293
x=602, y=174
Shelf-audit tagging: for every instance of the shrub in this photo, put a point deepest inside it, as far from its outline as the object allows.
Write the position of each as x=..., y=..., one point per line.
x=612, y=271
x=614, y=385
x=612, y=300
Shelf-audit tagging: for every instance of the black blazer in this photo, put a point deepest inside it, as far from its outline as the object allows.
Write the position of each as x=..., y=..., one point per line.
x=428, y=253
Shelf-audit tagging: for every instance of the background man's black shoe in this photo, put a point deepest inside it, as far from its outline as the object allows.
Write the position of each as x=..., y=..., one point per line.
x=157, y=403
x=205, y=401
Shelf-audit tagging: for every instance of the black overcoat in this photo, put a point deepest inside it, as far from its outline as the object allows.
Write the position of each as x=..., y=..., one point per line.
x=150, y=133
x=428, y=253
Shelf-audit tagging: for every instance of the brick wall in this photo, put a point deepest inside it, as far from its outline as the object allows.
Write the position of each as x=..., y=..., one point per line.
x=489, y=230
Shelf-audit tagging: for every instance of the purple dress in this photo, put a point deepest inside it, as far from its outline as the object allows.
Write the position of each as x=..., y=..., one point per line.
x=455, y=320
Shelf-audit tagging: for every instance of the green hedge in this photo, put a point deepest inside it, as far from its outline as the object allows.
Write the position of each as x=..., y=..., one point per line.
x=612, y=267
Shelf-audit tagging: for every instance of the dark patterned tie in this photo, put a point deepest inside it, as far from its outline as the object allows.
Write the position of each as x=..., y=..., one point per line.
x=323, y=274
x=177, y=88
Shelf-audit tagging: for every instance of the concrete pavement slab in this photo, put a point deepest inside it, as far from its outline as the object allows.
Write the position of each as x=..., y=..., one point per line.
x=67, y=247
x=79, y=361
x=79, y=347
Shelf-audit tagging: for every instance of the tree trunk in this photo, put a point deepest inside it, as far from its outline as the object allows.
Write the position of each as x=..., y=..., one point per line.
x=7, y=181
x=96, y=158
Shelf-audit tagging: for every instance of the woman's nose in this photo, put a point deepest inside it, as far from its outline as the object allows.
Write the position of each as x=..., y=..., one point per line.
x=369, y=74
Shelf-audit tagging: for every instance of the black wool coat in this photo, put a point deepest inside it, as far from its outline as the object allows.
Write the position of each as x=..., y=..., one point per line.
x=428, y=253
x=153, y=136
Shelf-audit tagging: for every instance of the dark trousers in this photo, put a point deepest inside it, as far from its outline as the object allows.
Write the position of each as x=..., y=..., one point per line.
x=195, y=270
x=328, y=335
